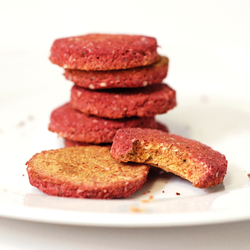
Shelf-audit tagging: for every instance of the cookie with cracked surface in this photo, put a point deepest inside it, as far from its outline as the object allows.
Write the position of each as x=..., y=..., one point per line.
x=104, y=52
x=119, y=103
x=190, y=159
x=77, y=126
x=126, y=78
x=84, y=172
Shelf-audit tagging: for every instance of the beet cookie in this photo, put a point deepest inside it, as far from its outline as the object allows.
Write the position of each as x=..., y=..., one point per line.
x=118, y=103
x=69, y=143
x=187, y=158
x=125, y=78
x=104, y=52
x=77, y=126
x=84, y=172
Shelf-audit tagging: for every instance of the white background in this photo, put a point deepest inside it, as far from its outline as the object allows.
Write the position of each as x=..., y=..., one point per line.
x=207, y=43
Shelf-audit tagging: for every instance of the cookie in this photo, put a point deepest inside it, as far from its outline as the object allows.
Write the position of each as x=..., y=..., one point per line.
x=77, y=126
x=119, y=103
x=84, y=172
x=104, y=52
x=69, y=143
x=190, y=159
x=125, y=78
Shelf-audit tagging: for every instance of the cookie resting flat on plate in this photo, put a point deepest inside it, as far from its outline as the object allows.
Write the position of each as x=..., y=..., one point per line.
x=84, y=172
x=70, y=143
x=77, y=126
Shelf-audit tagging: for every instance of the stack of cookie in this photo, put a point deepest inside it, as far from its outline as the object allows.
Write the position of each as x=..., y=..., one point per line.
x=117, y=84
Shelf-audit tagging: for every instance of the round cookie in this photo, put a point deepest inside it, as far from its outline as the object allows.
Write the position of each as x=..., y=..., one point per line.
x=104, y=52
x=119, y=103
x=190, y=159
x=125, y=78
x=69, y=143
x=77, y=126
x=84, y=172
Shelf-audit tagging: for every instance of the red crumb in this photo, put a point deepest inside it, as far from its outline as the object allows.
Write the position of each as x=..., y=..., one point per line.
x=148, y=191
x=163, y=191
x=178, y=193
x=248, y=176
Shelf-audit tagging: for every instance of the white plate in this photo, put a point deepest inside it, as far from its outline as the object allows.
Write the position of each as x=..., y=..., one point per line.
x=218, y=121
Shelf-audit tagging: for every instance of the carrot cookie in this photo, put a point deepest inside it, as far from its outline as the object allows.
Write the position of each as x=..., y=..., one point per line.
x=127, y=78
x=77, y=126
x=118, y=103
x=104, y=52
x=191, y=160
x=84, y=172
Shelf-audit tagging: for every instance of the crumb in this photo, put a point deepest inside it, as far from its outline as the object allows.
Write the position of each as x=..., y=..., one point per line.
x=20, y=124
x=144, y=193
x=22, y=174
x=136, y=210
x=248, y=176
x=150, y=199
x=148, y=191
x=30, y=117
x=163, y=192
x=178, y=193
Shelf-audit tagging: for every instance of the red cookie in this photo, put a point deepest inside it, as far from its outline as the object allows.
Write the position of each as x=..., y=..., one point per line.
x=104, y=52
x=69, y=143
x=84, y=172
x=126, y=78
x=191, y=160
x=119, y=103
x=77, y=126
